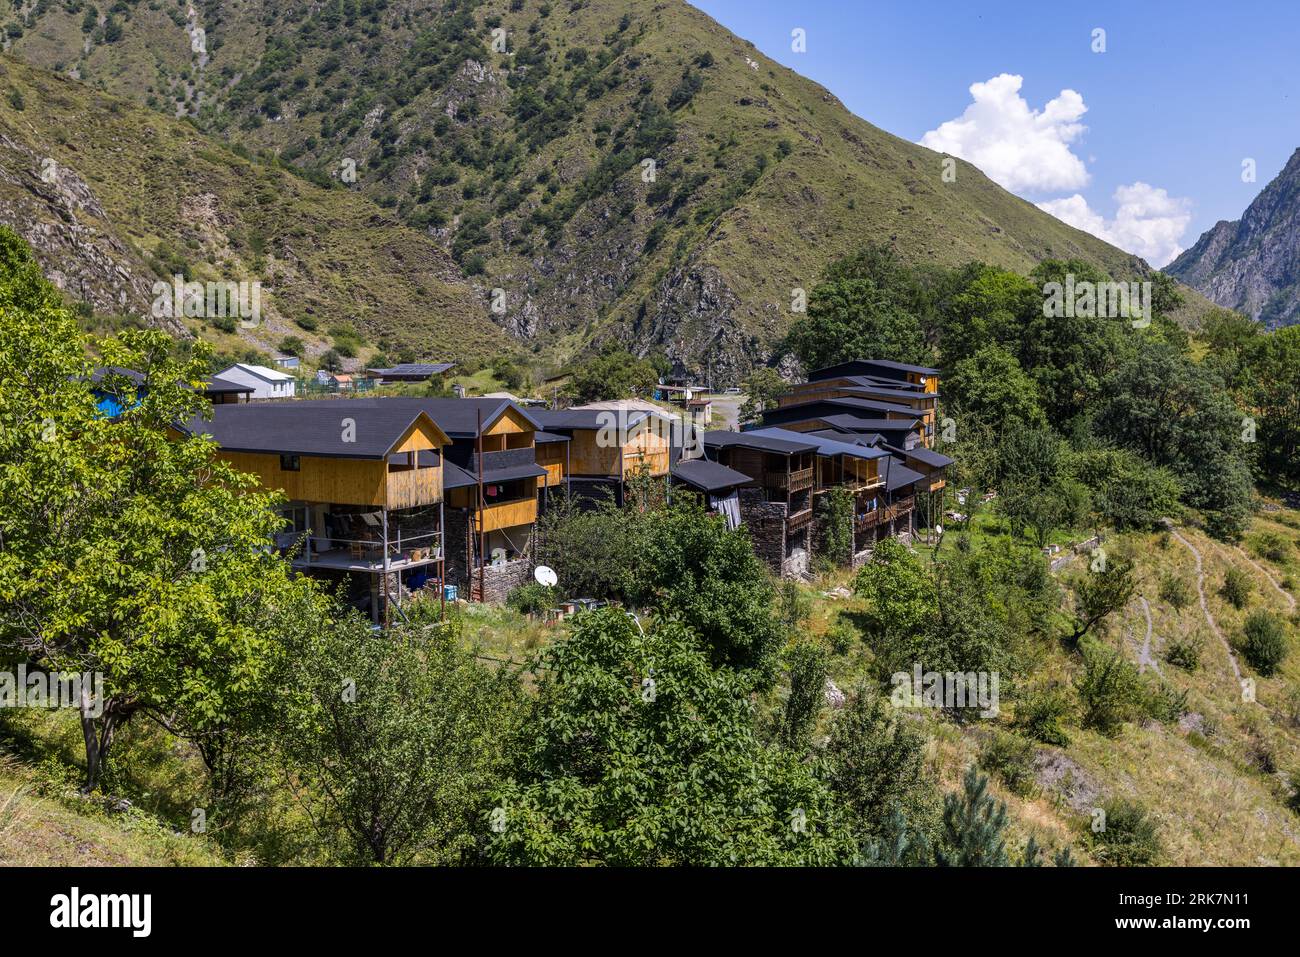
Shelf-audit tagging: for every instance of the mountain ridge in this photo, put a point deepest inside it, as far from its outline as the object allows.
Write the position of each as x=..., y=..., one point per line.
x=1252, y=264
x=527, y=164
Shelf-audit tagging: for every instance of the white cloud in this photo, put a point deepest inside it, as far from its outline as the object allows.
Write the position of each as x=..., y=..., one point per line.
x=1019, y=148
x=1148, y=221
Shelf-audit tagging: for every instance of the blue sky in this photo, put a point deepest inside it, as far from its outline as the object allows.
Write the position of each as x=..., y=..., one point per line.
x=1184, y=92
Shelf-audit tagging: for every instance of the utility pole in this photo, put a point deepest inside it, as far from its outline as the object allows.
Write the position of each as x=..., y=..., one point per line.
x=482, y=535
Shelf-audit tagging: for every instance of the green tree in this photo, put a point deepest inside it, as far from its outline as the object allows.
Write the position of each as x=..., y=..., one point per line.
x=1102, y=592
x=391, y=739
x=991, y=388
x=974, y=826
x=614, y=374
x=807, y=662
x=638, y=752
x=762, y=387
x=122, y=550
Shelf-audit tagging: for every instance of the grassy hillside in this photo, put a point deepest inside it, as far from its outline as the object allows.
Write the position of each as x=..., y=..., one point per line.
x=1218, y=781
x=133, y=197
x=514, y=133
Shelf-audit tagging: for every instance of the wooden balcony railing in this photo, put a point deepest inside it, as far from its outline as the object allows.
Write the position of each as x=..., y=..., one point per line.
x=508, y=514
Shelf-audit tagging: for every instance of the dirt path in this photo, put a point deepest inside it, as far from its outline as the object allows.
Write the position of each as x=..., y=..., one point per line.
x=1290, y=599
x=1144, y=652
x=1205, y=607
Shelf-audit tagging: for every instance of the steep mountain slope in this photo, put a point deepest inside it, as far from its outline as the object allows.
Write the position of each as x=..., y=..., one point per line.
x=1253, y=265
x=519, y=133
x=114, y=197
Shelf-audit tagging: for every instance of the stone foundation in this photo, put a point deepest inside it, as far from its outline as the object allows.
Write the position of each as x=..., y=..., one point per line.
x=786, y=553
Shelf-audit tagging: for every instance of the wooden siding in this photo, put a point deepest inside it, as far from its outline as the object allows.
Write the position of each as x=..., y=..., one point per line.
x=329, y=480
x=587, y=457
x=414, y=487
x=509, y=514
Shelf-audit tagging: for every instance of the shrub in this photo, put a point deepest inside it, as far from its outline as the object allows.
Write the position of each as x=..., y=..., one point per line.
x=841, y=637
x=307, y=323
x=1236, y=588
x=1272, y=546
x=1011, y=758
x=1110, y=689
x=1264, y=642
x=1185, y=653
x=1042, y=712
x=1175, y=591
x=532, y=598
x=1127, y=836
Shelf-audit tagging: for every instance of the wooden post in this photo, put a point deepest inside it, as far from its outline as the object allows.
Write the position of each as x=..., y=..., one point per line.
x=384, y=589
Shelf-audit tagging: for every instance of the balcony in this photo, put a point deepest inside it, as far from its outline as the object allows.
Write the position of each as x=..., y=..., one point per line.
x=796, y=481
x=367, y=555
x=412, y=488
x=865, y=520
x=508, y=514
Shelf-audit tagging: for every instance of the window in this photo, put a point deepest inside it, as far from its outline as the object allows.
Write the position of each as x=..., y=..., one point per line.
x=289, y=463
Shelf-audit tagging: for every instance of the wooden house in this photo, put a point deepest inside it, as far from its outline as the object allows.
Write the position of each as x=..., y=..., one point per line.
x=778, y=508
x=860, y=469
x=608, y=447
x=716, y=486
x=916, y=387
x=364, y=483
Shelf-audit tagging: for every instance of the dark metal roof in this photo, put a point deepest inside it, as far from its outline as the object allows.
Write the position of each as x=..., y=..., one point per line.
x=900, y=366
x=453, y=476
x=858, y=424
x=218, y=384
x=843, y=402
x=309, y=428
x=513, y=472
x=457, y=417
x=709, y=476
x=759, y=442
x=541, y=438
x=900, y=475
x=828, y=447
x=888, y=391
x=103, y=372
x=928, y=456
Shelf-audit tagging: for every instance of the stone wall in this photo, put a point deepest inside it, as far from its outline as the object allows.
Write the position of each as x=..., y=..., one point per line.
x=500, y=580
x=767, y=529
x=455, y=536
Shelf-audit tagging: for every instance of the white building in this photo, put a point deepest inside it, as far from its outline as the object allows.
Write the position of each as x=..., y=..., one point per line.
x=265, y=383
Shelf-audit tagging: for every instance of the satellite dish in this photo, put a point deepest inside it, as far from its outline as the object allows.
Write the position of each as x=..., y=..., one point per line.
x=938, y=529
x=545, y=575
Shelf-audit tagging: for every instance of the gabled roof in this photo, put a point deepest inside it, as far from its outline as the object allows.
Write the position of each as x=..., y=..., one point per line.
x=312, y=428
x=900, y=476
x=453, y=476
x=825, y=447
x=543, y=438
x=760, y=441
x=104, y=372
x=709, y=476
x=922, y=454
x=262, y=372
x=856, y=423
x=456, y=417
